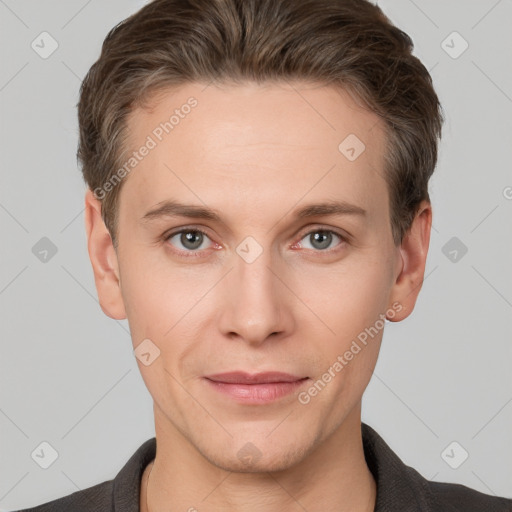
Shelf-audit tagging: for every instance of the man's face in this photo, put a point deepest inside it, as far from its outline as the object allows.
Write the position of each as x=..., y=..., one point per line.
x=263, y=290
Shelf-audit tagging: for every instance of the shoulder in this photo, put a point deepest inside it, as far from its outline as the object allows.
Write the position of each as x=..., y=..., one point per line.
x=97, y=498
x=401, y=487
x=457, y=497
x=429, y=496
x=120, y=493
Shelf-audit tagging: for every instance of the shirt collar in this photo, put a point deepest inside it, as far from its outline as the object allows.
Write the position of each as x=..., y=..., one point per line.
x=399, y=487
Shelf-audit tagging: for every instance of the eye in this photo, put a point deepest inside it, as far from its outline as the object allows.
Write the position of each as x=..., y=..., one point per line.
x=321, y=239
x=194, y=240
x=191, y=240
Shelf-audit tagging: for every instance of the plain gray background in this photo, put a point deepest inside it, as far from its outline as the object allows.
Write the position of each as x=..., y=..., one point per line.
x=68, y=374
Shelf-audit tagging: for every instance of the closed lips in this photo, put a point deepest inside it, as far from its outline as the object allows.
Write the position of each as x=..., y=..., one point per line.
x=257, y=378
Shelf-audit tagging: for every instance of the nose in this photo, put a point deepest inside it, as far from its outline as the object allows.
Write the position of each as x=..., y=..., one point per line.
x=257, y=305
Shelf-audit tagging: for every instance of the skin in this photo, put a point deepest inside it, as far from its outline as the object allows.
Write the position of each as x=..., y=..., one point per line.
x=255, y=153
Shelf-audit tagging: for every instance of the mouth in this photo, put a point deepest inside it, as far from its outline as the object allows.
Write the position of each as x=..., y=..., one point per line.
x=258, y=388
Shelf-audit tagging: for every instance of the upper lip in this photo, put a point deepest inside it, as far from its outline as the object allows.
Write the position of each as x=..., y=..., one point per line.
x=254, y=378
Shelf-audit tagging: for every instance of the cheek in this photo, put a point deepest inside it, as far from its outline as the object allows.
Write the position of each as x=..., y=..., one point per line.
x=351, y=298
x=354, y=300
x=154, y=299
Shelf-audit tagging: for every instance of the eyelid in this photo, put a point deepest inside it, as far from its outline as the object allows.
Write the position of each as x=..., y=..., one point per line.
x=321, y=227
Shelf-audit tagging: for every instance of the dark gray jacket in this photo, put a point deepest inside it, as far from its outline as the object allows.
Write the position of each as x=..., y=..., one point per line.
x=400, y=488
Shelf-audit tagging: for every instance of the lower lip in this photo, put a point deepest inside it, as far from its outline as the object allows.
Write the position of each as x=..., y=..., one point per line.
x=257, y=393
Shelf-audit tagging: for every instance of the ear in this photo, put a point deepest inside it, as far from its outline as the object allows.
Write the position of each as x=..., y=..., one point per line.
x=412, y=257
x=103, y=259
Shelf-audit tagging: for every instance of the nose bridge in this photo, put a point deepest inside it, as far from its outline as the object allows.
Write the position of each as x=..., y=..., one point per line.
x=255, y=308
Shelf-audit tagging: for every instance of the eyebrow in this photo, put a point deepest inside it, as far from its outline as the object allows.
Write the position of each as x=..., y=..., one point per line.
x=170, y=208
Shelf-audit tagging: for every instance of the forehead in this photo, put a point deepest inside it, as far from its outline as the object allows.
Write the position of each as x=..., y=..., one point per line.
x=257, y=140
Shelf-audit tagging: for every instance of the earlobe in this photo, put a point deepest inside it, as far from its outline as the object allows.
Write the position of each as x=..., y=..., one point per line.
x=412, y=259
x=103, y=259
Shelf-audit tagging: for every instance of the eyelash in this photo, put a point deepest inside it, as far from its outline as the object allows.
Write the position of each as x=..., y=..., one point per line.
x=197, y=253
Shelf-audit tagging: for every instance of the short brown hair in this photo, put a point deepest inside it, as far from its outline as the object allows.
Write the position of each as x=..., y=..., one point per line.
x=346, y=43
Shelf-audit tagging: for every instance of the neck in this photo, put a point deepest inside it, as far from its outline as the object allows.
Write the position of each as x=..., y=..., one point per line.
x=334, y=477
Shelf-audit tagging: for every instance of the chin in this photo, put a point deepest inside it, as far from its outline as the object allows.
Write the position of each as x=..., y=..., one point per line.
x=259, y=457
